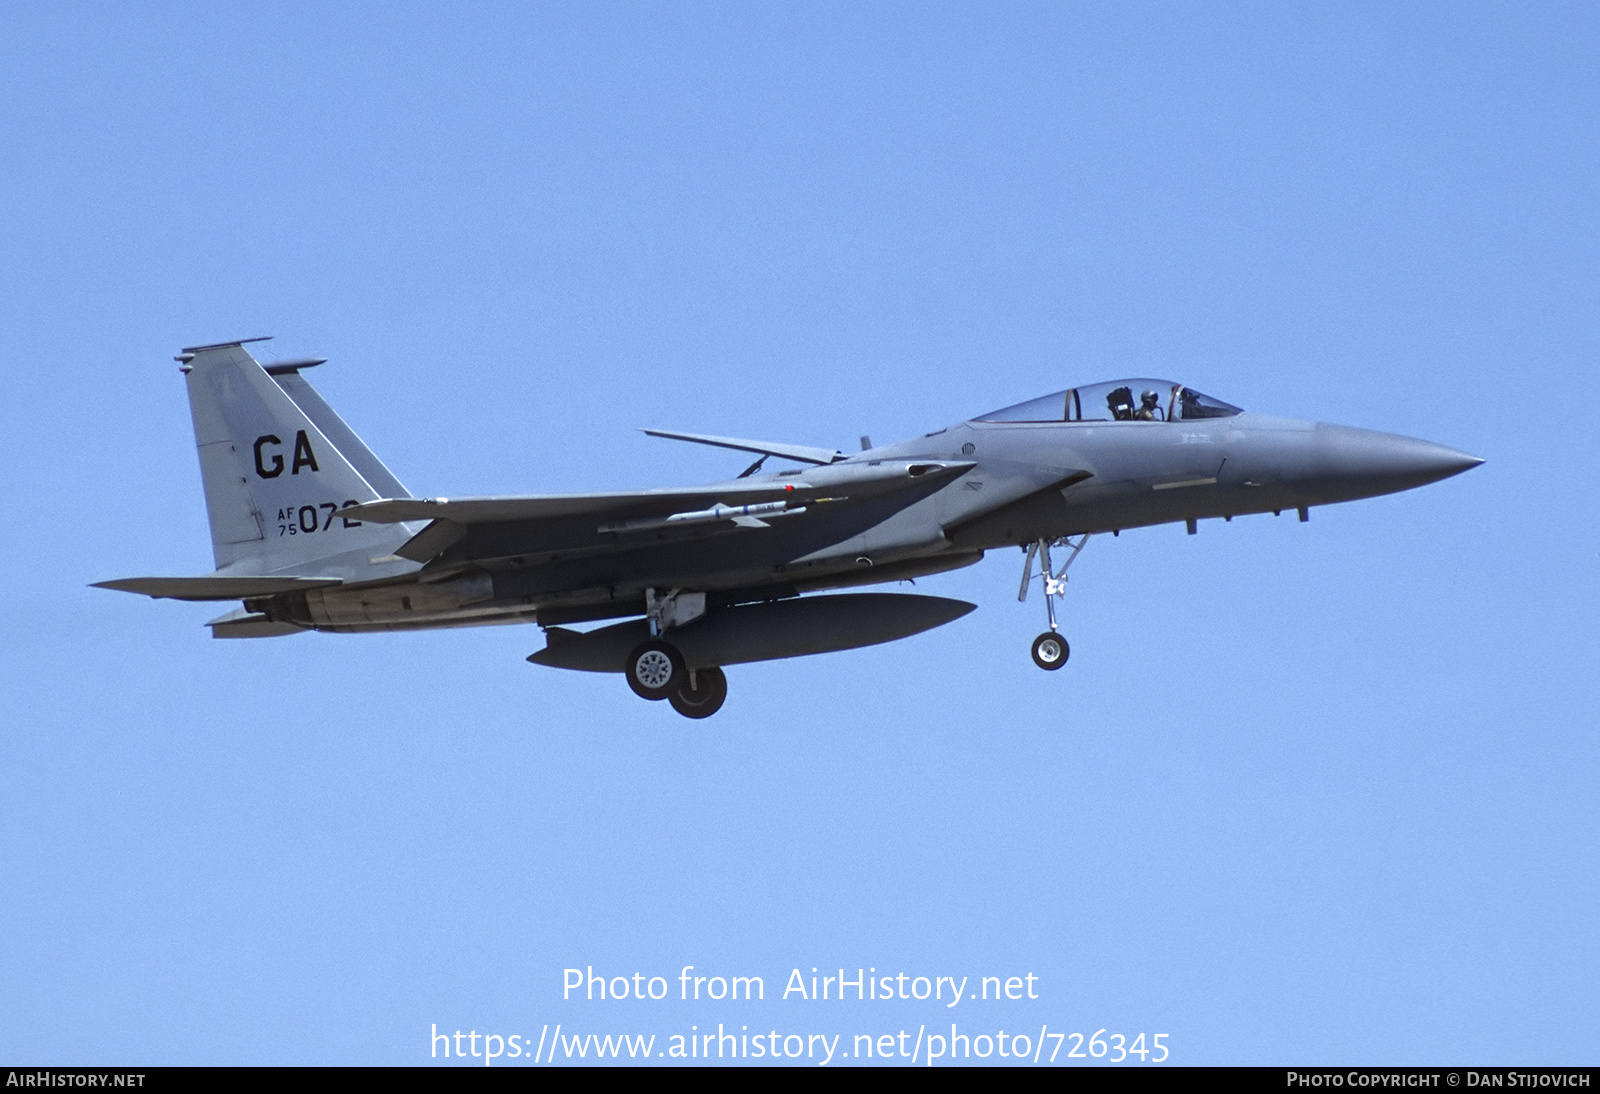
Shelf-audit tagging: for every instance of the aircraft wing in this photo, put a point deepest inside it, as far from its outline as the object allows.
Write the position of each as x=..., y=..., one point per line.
x=605, y=520
x=800, y=453
x=611, y=506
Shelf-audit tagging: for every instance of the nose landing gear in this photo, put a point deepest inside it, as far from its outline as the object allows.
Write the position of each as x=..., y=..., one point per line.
x=1050, y=650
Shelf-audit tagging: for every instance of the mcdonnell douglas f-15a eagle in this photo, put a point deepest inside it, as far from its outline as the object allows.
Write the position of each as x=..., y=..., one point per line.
x=311, y=531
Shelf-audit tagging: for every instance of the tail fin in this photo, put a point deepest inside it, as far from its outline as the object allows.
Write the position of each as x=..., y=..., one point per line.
x=287, y=374
x=276, y=463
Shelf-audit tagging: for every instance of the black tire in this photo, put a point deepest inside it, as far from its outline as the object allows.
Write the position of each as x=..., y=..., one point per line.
x=704, y=699
x=1050, y=651
x=654, y=669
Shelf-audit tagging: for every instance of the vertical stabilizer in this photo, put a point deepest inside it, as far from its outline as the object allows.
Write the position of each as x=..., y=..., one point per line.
x=343, y=437
x=274, y=476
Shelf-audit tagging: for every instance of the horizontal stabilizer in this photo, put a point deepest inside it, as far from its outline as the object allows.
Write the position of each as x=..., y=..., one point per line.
x=800, y=453
x=215, y=588
x=760, y=632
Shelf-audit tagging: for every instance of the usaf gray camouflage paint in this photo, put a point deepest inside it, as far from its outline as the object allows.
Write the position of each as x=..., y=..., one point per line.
x=312, y=532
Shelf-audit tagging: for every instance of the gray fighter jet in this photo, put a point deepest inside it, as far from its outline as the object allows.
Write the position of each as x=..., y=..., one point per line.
x=312, y=532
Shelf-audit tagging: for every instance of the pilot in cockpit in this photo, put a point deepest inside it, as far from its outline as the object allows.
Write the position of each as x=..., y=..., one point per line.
x=1149, y=407
x=1120, y=403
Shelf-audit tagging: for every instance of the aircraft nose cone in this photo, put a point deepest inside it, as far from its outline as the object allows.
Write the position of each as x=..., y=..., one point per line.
x=1356, y=463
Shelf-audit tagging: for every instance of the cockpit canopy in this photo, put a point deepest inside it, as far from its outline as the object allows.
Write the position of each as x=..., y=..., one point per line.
x=1118, y=401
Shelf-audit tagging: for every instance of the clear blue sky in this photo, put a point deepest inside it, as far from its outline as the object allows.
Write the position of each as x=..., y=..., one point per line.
x=1318, y=793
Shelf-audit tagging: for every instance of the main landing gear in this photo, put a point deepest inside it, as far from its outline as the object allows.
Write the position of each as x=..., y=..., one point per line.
x=1050, y=650
x=702, y=694
x=655, y=670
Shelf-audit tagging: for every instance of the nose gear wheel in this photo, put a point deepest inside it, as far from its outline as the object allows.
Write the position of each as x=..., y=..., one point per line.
x=1050, y=651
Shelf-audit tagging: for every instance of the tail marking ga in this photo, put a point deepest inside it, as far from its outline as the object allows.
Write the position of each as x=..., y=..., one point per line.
x=303, y=455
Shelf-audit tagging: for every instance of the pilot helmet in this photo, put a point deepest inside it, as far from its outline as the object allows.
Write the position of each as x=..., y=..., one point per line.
x=1149, y=398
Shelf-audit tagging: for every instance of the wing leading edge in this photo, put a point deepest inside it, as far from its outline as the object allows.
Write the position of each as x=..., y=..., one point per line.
x=800, y=453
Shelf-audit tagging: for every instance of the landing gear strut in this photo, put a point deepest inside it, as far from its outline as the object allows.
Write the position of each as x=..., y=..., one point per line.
x=1050, y=650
